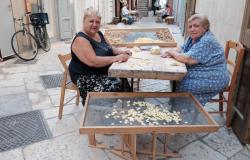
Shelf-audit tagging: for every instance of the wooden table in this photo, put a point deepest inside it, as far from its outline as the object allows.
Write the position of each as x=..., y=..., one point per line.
x=147, y=66
x=98, y=106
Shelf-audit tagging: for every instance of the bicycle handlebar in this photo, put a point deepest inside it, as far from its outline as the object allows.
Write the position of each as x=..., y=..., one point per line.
x=21, y=19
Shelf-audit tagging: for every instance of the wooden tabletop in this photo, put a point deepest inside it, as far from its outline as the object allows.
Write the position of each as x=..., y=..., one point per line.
x=144, y=65
x=133, y=12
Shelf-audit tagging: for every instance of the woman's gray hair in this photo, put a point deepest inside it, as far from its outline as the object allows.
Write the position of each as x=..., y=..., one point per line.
x=204, y=20
x=91, y=12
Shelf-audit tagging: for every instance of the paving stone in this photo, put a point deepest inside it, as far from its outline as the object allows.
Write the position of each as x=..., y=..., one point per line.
x=109, y=140
x=14, y=104
x=32, y=77
x=66, y=125
x=178, y=141
x=40, y=100
x=153, y=88
x=67, y=109
x=15, y=76
x=43, y=73
x=20, y=61
x=112, y=156
x=144, y=142
x=15, y=69
x=15, y=154
x=242, y=155
x=199, y=151
x=53, y=91
x=34, y=86
x=2, y=76
x=69, y=98
x=78, y=115
x=224, y=141
x=220, y=120
x=146, y=82
x=66, y=147
x=11, y=82
x=12, y=90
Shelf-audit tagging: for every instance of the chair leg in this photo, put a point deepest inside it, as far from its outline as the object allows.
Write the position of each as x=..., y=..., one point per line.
x=62, y=97
x=61, y=102
x=221, y=102
x=138, y=84
x=77, y=97
x=229, y=111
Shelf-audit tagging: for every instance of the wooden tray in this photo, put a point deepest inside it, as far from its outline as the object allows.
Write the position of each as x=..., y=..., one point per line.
x=98, y=105
x=140, y=37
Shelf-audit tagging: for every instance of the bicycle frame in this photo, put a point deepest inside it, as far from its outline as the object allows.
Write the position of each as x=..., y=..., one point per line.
x=26, y=44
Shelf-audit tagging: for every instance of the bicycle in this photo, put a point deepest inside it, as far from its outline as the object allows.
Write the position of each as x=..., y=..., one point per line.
x=28, y=44
x=26, y=47
x=39, y=21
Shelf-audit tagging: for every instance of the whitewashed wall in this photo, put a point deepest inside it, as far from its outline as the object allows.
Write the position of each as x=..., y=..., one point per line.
x=105, y=7
x=50, y=8
x=225, y=16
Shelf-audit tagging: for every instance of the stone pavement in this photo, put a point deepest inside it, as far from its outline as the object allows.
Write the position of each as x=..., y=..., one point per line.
x=21, y=90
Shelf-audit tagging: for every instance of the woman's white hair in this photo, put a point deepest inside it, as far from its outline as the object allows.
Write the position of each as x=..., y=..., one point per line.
x=91, y=12
x=204, y=20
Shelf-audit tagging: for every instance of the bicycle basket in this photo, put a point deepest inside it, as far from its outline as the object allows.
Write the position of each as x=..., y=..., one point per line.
x=37, y=19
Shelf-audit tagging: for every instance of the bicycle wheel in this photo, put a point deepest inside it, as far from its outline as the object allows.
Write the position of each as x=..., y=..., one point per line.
x=26, y=46
x=43, y=38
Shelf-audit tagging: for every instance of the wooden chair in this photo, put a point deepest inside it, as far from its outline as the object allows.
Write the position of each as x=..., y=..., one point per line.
x=233, y=67
x=169, y=20
x=124, y=20
x=66, y=83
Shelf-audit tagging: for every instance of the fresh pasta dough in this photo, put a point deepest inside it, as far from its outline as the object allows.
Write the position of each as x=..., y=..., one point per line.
x=156, y=50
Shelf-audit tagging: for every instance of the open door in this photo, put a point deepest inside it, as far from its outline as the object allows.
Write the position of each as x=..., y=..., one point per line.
x=190, y=10
x=241, y=118
x=7, y=28
x=245, y=33
x=65, y=16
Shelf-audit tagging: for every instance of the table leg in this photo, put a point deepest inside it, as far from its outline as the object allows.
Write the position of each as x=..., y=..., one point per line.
x=92, y=140
x=124, y=81
x=130, y=141
x=132, y=83
x=154, y=146
x=173, y=86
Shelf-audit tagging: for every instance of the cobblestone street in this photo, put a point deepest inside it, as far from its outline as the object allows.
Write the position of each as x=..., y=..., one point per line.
x=22, y=90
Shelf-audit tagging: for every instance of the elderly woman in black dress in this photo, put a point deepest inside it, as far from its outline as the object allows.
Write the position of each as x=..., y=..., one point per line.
x=92, y=56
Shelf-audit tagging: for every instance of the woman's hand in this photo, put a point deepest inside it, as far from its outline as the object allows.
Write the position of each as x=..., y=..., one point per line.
x=168, y=54
x=179, y=57
x=121, y=58
x=128, y=52
x=118, y=51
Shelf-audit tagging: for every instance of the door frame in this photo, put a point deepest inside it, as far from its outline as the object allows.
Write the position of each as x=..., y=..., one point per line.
x=72, y=20
x=190, y=10
x=245, y=29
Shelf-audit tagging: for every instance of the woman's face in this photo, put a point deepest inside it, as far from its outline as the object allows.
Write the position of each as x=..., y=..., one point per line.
x=92, y=24
x=195, y=29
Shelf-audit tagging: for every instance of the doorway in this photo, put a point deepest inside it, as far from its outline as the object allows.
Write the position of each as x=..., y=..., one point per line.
x=66, y=18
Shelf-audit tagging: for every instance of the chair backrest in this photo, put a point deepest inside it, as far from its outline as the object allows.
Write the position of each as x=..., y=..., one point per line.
x=67, y=80
x=237, y=49
x=63, y=59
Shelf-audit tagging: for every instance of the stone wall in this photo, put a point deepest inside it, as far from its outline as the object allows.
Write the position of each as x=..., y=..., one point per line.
x=225, y=16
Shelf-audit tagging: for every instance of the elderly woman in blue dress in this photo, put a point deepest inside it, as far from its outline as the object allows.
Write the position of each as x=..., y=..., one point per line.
x=204, y=57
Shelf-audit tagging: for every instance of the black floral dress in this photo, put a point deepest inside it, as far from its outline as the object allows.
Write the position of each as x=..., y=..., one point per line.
x=90, y=79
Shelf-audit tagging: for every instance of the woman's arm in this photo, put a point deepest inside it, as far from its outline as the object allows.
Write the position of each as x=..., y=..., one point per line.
x=181, y=57
x=176, y=49
x=117, y=51
x=84, y=51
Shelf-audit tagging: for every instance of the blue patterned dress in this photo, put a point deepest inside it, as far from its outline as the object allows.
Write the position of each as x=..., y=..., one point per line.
x=210, y=76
